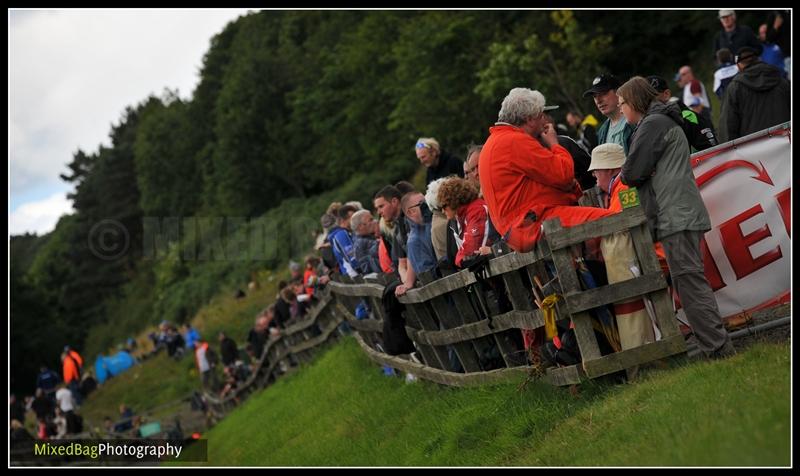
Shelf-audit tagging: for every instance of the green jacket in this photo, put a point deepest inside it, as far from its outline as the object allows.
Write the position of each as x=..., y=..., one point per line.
x=602, y=133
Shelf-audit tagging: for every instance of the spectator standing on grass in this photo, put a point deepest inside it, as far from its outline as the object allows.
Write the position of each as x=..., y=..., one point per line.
x=658, y=165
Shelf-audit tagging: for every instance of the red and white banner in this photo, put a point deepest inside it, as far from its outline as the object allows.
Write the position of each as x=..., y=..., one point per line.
x=746, y=186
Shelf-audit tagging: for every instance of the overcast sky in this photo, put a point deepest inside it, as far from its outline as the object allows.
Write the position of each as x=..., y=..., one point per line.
x=71, y=73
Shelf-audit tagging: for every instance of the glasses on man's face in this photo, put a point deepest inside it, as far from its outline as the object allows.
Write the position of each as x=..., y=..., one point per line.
x=422, y=145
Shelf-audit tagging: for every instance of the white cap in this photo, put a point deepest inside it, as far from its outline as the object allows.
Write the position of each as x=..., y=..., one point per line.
x=725, y=13
x=607, y=156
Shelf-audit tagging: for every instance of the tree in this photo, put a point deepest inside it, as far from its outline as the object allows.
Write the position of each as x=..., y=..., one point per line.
x=556, y=57
x=168, y=176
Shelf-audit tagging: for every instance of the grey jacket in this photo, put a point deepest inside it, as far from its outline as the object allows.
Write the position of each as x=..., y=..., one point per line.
x=658, y=165
x=366, y=254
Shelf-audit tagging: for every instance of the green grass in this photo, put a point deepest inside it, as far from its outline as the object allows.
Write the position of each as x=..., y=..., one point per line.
x=731, y=413
x=163, y=380
x=144, y=387
x=341, y=411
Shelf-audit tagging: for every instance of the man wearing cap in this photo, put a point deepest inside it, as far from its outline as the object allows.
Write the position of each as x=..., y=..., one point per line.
x=614, y=129
x=633, y=322
x=526, y=176
x=757, y=98
x=699, y=131
x=734, y=36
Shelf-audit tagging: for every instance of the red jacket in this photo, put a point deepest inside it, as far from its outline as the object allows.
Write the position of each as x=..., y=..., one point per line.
x=71, y=369
x=519, y=175
x=309, y=274
x=473, y=221
x=78, y=359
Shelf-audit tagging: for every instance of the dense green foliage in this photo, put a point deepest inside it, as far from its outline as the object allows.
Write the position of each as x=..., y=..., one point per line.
x=341, y=411
x=295, y=109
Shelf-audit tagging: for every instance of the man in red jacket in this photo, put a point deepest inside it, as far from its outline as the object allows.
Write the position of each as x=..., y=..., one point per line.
x=526, y=176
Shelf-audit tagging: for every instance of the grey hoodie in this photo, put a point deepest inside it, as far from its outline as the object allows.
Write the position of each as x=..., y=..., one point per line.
x=756, y=99
x=658, y=165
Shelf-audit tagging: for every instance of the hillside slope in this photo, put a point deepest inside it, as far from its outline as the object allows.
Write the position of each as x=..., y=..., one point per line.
x=341, y=411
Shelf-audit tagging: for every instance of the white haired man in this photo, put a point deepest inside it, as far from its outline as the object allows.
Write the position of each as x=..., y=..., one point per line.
x=525, y=181
x=365, y=241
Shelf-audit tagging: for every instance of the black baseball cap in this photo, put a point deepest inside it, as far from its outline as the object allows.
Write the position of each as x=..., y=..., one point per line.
x=603, y=83
x=745, y=52
x=658, y=83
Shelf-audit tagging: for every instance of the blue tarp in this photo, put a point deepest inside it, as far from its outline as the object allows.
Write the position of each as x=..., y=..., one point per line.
x=107, y=367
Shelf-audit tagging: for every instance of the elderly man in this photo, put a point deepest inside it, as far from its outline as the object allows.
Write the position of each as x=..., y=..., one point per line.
x=733, y=36
x=365, y=242
x=439, y=164
x=614, y=129
x=525, y=181
x=471, y=164
x=633, y=322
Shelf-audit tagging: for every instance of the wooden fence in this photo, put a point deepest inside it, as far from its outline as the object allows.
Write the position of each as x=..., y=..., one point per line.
x=457, y=317
x=474, y=319
x=295, y=344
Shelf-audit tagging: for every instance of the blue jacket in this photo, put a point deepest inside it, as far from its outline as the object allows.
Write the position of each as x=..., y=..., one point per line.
x=420, y=247
x=47, y=380
x=773, y=55
x=343, y=250
x=191, y=337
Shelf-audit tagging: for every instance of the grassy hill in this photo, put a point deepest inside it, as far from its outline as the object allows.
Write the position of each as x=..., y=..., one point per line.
x=161, y=380
x=341, y=411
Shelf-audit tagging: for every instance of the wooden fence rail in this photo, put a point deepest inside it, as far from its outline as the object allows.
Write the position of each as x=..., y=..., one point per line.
x=296, y=343
x=467, y=326
x=469, y=323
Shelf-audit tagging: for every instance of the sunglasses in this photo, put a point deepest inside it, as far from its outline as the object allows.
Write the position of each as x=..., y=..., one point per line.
x=422, y=145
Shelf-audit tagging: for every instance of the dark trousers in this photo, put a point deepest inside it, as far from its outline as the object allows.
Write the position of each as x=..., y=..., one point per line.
x=75, y=389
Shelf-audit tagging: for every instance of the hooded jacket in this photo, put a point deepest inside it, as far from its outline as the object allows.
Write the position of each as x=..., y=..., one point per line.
x=756, y=99
x=658, y=165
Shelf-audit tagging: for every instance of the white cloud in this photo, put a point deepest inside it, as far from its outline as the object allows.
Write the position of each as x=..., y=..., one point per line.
x=39, y=217
x=71, y=74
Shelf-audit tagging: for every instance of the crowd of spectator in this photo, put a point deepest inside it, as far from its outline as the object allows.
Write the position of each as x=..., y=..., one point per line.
x=503, y=190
